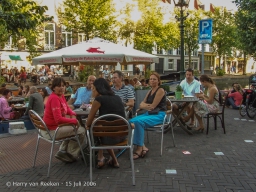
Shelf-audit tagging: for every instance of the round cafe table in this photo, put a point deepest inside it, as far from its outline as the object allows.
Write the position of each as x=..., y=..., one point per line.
x=16, y=100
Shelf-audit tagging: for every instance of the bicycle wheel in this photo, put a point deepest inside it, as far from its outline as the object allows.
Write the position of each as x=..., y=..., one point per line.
x=242, y=110
x=250, y=110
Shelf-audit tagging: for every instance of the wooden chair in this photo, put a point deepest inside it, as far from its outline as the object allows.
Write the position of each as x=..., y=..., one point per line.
x=41, y=126
x=220, y=115
x=167, y=121
x=115, y=128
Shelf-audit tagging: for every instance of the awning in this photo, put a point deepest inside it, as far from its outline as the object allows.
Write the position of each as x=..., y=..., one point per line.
x=15, y=57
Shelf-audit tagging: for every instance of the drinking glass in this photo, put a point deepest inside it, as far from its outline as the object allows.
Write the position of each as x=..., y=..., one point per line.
x=91, y=100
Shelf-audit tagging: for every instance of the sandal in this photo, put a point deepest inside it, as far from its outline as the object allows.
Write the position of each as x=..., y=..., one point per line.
x=112, y=164
x=103, y=161
x=143, y=153
x=136, y=156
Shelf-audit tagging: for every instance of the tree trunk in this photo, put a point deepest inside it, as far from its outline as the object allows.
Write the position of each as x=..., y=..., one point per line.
x=245, y=64
x=189, y=59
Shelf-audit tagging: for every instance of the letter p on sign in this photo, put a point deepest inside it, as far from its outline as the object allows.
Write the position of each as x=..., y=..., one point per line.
x=205, y=24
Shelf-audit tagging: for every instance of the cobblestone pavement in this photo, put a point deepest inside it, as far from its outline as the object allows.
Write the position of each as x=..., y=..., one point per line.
x=201, y=170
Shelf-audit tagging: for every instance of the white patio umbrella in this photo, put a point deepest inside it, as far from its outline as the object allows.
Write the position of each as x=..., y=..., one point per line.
x=96, y=51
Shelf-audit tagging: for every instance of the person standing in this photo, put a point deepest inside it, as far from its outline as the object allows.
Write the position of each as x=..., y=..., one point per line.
x=105, y=73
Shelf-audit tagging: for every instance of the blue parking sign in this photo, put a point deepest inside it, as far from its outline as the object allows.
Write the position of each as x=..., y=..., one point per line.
x=205, y=31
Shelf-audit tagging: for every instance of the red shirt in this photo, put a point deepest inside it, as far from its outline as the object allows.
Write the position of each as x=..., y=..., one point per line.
x=237, y=97
x=55, y=111
x=23, y=75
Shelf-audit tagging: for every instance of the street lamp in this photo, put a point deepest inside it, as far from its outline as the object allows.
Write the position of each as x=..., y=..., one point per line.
x=182, y=4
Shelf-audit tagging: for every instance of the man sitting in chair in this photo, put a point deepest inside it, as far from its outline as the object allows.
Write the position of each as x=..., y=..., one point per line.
x=191, y=87
x=36, y=102
x=124, y=92
x=83, y=94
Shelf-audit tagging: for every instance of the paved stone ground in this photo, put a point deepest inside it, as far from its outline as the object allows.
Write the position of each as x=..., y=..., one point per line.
x=201, y=170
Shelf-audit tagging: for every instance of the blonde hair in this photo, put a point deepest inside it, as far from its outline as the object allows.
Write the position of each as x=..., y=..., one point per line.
x=239, y=88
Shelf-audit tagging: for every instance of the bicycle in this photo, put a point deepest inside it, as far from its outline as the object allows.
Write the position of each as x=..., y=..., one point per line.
x=251, y=103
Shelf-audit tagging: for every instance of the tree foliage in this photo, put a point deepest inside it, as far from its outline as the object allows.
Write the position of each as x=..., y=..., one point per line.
x=192, y=31
x=17, y=16
x=94, y=18
x=246, y=25
x=149, y=30
x=224, y=32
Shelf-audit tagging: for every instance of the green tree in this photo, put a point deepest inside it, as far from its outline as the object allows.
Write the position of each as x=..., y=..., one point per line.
x=94, y=18
x=224, y=32
x=246, y=28
x=17, y=16
x=191, y=32
x=149, y=27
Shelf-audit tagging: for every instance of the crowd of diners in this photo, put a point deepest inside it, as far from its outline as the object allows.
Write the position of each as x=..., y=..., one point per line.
x=44, y=74
x=111, y=97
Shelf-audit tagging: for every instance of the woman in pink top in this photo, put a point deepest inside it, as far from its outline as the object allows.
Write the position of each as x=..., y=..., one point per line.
x=235, y=98
x=57, y=112
x=5, y=109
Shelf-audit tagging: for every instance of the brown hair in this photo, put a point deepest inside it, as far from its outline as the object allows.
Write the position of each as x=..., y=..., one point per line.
x=206, y=78
x=57, y=82
x=157, y=76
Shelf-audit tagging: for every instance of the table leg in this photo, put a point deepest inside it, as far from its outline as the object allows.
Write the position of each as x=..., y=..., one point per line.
x=177, y=120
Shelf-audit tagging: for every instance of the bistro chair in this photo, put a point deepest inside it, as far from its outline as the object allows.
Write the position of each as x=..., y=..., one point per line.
x=167, y=121
x=219, y=114
x=40, y=125
x=112, y=128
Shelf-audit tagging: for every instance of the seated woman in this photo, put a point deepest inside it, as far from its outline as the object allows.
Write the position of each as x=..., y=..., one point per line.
x=235, y=98
x=208, y=103
x=107, y=103
x=34, y=76
x=56, y=113
x=45, y=95
x=5, y=109
x=155, y=101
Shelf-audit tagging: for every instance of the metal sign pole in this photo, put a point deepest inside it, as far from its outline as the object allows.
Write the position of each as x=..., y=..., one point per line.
x=202, y=62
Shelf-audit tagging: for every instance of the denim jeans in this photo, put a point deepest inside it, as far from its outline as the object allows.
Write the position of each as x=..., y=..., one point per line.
x=232, y=103
x=144, y=121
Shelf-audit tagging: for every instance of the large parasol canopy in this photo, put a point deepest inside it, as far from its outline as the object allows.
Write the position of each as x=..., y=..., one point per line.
x=95, y=52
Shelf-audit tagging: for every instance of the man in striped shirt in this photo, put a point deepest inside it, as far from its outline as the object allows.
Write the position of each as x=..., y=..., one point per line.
x=124, y=92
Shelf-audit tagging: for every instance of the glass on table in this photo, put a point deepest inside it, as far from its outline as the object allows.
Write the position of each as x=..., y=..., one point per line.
x=91, y=100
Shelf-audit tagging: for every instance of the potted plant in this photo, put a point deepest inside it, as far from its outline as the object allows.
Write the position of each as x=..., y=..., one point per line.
x=178, y=92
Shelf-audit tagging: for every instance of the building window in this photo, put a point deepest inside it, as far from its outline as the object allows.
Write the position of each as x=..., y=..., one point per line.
x=66, y=37
x=210, y=49
x=49, y=37
x=81, y=37
x=170, y=63
x=194, y=64
x=170, y=51
x=178, y=51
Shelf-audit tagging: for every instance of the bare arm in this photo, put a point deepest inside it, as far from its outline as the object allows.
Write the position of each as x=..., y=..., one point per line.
x=209, y=99
x=95, y=107
x=130, y=103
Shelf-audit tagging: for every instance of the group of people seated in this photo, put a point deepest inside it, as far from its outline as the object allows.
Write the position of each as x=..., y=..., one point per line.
x=208, y=95
x=55, y=110
x=45, y=74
